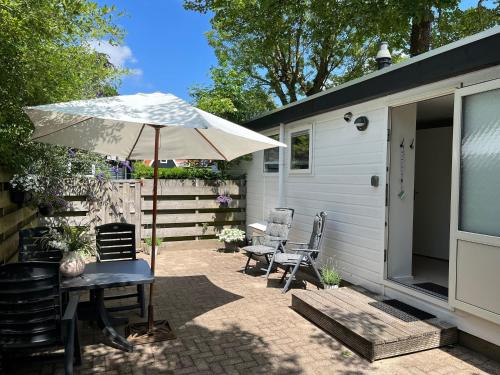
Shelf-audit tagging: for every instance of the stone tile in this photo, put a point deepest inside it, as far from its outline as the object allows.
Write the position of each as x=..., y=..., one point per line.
x=227, y=322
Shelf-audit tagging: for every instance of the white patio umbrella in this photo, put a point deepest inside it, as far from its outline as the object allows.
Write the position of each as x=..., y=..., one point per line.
x=144, y=126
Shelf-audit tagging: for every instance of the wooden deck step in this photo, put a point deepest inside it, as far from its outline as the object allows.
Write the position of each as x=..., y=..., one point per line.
x=370, y=326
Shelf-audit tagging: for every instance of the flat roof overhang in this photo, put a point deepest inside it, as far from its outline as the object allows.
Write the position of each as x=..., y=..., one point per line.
x=474, y=53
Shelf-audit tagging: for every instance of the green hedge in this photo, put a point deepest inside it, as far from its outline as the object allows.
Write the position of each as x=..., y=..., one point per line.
x=143, y=171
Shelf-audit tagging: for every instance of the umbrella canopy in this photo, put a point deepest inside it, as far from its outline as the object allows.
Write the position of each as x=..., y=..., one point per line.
x=144, y=126
x=123, y=126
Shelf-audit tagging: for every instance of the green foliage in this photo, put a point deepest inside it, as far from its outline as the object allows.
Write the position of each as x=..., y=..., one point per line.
x=70, y=239
x=294, y=48
x=231, y=235
x=44, y=58
x=330, y=276
x=149, y=241
x=232, y=96
x=143, y=171
x=298, y=48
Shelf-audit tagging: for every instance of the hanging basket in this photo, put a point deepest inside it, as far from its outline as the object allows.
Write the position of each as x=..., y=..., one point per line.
x=18, y=196
x=45, y=210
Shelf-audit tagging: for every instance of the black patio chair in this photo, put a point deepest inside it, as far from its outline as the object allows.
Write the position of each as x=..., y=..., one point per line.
x=32, y=246
x=115, y=242
x=32, y=316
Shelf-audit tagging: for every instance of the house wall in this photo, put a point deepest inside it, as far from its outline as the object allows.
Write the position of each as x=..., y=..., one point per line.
x=344, y=159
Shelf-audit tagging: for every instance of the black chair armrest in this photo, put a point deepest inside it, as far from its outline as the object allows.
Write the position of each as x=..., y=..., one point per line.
x=70, y=312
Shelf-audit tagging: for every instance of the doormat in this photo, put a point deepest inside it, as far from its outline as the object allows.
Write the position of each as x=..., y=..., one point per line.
x=434, y=288
x=137, y=333
x=401, y=310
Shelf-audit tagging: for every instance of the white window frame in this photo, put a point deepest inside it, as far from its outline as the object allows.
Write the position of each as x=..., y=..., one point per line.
x=298, y=129
x=273, y=132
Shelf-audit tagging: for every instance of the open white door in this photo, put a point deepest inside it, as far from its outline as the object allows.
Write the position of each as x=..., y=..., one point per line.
x=475, y=205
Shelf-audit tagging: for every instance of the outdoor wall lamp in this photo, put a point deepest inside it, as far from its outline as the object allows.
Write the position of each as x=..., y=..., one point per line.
x=361, y=123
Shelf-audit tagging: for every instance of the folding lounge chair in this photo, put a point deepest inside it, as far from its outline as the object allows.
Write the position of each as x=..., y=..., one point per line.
x=278, y=226
x=304, y=255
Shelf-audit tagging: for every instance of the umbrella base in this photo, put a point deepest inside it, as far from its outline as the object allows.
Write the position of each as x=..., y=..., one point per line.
x=138, y=334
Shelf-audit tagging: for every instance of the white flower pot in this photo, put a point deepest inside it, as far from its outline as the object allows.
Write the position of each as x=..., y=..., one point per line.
x=72, y=264
x=331, y=286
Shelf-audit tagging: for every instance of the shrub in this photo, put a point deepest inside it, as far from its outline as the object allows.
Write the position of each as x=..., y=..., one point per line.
x=149, y=241
x=231, y=235
x=143, y=171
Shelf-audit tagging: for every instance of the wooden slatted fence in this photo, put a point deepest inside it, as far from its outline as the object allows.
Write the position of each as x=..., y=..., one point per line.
x=12, y=219
x=187, y=209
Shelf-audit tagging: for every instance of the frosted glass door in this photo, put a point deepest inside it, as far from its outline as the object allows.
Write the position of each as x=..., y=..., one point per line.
x=480, y=164
x=475, y=212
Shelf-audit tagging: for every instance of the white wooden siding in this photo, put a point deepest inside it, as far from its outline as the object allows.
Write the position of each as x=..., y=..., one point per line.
x=343, y=161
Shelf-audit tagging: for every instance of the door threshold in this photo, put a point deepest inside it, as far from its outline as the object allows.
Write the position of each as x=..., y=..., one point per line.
x=418, y=292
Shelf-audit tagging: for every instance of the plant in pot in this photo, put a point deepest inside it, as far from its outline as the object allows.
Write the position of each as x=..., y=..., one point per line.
x=232, y=237
x=330, y=277
x=44, y=193
x=149, y=243
x=75, y=243
x=224, y=200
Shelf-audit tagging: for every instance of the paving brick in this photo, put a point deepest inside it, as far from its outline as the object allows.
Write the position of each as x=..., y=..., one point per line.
x=227, y=322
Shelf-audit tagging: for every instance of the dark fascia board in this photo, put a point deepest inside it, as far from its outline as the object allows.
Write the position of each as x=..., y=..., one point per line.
x=468, y=57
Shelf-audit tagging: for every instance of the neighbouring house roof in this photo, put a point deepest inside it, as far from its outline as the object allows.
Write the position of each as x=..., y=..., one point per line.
x=473, y=53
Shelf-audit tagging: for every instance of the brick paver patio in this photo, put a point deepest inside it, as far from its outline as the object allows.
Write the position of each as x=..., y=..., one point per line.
x=231, y=323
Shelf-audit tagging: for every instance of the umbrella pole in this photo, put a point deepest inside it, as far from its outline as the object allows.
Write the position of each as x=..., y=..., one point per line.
x=153, y=234
x=151, y=331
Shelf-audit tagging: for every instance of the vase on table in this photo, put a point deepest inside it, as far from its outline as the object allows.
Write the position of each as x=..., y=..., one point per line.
x=72, y=264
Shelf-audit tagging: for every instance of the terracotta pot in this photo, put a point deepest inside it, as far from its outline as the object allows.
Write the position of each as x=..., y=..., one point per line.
x=72, y=264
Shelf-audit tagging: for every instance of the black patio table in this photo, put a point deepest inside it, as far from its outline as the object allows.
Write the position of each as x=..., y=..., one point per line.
x=101, y=275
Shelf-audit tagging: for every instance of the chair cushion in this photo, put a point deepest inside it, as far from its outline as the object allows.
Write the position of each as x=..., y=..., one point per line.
x=258, y=249
x=286, y=258
x=280, y=217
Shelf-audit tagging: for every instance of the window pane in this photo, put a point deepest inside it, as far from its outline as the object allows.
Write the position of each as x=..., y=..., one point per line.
x=271, y=157
x=300, y=150
x=480, y=164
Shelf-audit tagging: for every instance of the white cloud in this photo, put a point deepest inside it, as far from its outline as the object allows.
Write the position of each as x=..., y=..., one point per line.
x=119, y=56
x=136, y=72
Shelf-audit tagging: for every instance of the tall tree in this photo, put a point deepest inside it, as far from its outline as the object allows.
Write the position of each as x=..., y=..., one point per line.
x=295, y=48
x=298, y=48
x=45, y=57
x=232, y=95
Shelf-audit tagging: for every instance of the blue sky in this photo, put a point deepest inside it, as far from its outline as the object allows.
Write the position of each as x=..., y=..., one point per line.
x=165, y=46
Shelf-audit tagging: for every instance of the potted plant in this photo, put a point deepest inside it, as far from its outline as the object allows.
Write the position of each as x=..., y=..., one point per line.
x=75, y=243
x=149, y=243
x=224, y=200
x=231, y=237
x=330, y=277
x=46, y=194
